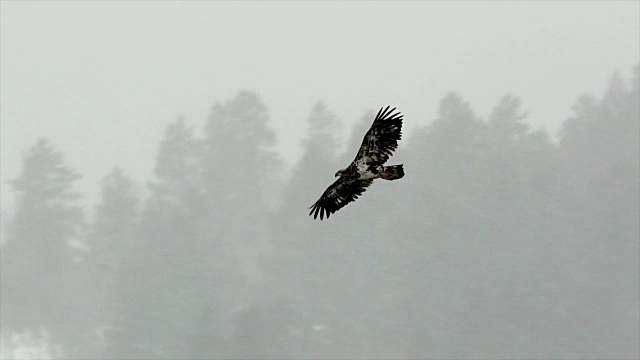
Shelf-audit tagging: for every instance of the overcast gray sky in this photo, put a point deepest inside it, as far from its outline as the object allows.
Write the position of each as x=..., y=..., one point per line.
x=101, y=80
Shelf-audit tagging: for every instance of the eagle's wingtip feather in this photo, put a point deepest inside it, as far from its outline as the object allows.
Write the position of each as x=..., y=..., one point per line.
x=385, y=133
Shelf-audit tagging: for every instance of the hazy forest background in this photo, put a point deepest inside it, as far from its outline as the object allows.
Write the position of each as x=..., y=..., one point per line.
x=500, y=242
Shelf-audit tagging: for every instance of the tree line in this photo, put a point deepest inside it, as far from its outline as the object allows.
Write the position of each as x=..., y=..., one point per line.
x=498, y=241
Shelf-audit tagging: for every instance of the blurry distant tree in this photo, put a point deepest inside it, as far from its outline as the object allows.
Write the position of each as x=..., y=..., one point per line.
x=240, y=173
x=240, y=170
x=239, y=166
x=492, y=200
x=444, y=161
x=300, y=251
x=587, y=144
x=163, y=281
x=115, y=219
x=178, y=168
x=506, y=120
x=319, y=157
x=41, y=260
x=518, y=168
x=238, y=154
x=201, y=236
x=111, y=238
x=445, y=157
x=600, y=151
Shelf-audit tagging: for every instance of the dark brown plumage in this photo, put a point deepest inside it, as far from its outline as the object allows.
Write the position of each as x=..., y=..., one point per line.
x=378, y=144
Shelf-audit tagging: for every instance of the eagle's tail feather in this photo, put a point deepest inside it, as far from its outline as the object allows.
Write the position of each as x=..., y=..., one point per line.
x=392, y=172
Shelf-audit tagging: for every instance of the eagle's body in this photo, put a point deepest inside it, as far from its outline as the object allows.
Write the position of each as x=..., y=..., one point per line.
x=378, y=144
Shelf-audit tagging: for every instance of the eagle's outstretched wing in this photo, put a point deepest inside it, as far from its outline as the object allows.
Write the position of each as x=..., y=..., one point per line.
x=382, y=138
x=337, y=195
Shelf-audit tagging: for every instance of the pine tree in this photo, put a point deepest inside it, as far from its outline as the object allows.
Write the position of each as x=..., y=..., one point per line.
x=600, y=154
x=238, y=153
x=111, y=240
x=177, y=169
x=301, y=247
x=164, y=283
x=319, y=161
x=115, y=219
x=40, y=264
x=445, y=158
x=445, y=161
x=240, y=171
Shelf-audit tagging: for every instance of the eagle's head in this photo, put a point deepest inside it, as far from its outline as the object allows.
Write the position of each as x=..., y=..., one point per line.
x=342, y=172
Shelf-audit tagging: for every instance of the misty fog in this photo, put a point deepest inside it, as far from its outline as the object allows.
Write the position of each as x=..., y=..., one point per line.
x=135, y=226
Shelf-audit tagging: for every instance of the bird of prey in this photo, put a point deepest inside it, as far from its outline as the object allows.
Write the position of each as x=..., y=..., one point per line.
x=378, y=144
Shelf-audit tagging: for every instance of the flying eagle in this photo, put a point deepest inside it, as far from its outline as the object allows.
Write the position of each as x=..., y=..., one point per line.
x=378, y=144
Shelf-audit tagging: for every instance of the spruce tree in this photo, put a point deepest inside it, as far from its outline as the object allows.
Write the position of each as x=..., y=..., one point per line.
x=240, y=171
x=41, y=259
x=302, y=246
x=111, y=241
x=600, y=154
x=164, y=283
